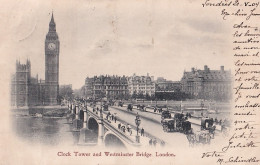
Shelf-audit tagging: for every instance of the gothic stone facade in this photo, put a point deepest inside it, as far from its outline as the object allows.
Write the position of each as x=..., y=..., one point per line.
x=52, y=49
x=207, y=84
x=26, y=90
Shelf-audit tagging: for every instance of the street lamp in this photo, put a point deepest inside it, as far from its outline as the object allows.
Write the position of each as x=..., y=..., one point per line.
x=202, y=106
x=101, y=113
x=137, y=122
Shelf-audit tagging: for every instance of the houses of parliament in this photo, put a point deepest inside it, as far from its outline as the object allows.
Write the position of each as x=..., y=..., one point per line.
x=27, y=90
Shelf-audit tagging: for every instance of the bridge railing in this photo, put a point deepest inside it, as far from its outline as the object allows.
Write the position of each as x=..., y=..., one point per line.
x=121, y=134
x=115, y=130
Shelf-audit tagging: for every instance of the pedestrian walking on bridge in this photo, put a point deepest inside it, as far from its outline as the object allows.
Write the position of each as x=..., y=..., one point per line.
x=154, y=142
x=123, y=129
x=128, y=128
x=150, y=142
x=162, y=143
x=107, y=115
x=142, y=132
x=112, y=117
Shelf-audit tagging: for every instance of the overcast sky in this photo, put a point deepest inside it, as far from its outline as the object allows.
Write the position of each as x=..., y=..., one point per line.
x=114, y=37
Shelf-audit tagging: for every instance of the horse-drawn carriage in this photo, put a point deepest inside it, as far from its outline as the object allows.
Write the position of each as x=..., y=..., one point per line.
x=179, y=118
x=186, y=127
x=105, y=107
x=200, y=137
x=206, y=123
x=168, y=125
x=178, y=123
x=120, y=104
x=129, y=107
x=182, y=125
x=205, y=135
x=141, y=107
x=159, y=108
x=165, y=115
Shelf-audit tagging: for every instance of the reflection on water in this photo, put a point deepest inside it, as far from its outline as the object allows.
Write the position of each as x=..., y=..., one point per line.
x=47, y=131
x=57, y=131
x=91, y=136
x=112, y=141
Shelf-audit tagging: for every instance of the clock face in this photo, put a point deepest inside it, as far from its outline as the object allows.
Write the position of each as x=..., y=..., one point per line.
x=51, y=46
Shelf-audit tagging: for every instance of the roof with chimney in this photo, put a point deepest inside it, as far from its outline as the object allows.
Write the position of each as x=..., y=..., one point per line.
x=207, y=74
x=107, y=79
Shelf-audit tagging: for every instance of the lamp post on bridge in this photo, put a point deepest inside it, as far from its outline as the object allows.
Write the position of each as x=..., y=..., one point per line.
x=101, y=106
x=100, y=125
x=101, y=113
x=202, y=106
x=137, y=122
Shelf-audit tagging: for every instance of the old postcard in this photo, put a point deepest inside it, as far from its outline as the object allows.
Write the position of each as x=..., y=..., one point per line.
x=130, y=82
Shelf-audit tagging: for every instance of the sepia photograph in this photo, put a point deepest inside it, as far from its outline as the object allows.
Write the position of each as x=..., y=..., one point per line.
x=114, y=82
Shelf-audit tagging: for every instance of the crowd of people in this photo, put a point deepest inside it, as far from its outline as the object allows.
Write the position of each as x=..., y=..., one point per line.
x=126, y=128
x=153, y=142
x=111, y=117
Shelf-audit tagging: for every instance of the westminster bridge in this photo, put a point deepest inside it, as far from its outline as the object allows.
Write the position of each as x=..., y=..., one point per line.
x=85, y=118
x=108, y=132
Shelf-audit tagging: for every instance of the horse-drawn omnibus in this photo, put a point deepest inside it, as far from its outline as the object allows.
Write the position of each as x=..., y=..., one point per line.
x=178, y=123
x=168, y=125
x=105, y=107
x=166, y=115
x=129, y=107
x=141, y=107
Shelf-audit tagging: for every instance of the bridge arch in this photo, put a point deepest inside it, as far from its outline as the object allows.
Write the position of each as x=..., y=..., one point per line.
x=93, y=124
x=112, y=140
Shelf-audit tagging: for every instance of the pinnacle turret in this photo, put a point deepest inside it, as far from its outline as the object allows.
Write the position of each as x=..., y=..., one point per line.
x=52, y=25
x=52, y=34
x=52, y=19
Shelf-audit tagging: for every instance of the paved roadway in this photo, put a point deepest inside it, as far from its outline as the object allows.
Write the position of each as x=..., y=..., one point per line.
x=151, y=124
x=196, y=122
x=154, y=117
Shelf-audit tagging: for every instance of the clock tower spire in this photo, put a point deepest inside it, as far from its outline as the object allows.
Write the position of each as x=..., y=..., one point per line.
x=52, y=25
x=52, y=49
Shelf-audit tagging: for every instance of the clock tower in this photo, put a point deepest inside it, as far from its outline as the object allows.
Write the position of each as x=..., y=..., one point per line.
x=52, y=49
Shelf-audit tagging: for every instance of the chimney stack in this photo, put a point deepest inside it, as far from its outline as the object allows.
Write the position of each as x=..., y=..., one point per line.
x=193, y=70
x=205, y=68
x=222, y=68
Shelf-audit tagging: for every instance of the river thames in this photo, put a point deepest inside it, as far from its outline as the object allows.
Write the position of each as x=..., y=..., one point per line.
x=50, y=131
x=41, y=130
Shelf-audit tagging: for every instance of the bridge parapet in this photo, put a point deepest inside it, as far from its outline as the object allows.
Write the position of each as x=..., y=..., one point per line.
x=81, y=124
x=127, y=140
